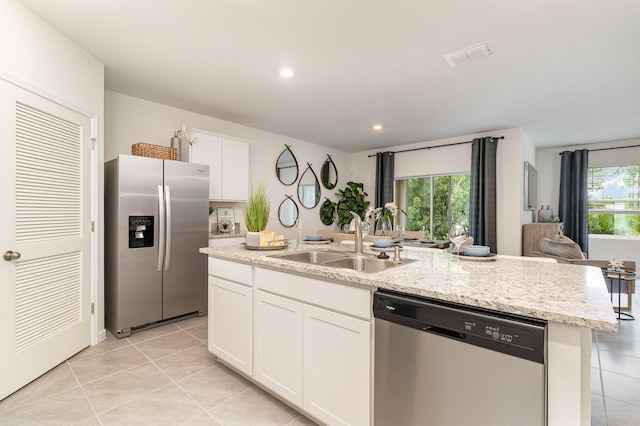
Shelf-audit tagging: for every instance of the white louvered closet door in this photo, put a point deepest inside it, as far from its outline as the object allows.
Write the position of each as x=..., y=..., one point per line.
x=45, y=185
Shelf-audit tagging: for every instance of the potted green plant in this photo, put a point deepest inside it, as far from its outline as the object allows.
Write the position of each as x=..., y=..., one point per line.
x=351, y=198
x=256, y=214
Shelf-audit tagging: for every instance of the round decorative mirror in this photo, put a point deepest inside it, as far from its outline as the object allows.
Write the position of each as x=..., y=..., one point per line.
x=287, y=167
x=309, y=188
x=288, y=212
x=327, y=212
x=329, y=173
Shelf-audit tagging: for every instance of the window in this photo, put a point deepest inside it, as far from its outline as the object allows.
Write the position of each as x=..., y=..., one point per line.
x=614, y=200
x=432, y=203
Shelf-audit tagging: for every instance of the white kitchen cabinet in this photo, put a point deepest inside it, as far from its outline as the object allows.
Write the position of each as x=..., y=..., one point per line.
x=278, y=345
x=337, y=367
x=228, y=160
x=317, y=335
x=230, y=313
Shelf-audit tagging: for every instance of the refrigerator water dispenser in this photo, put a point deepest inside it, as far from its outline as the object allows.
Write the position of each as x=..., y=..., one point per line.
x=140, y=231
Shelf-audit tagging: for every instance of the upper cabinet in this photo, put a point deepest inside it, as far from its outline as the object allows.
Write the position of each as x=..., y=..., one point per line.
x=228, y=160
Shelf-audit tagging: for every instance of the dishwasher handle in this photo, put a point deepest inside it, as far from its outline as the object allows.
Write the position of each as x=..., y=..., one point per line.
x=444, y=332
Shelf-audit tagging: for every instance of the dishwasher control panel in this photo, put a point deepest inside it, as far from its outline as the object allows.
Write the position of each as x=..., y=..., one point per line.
x=524, y=337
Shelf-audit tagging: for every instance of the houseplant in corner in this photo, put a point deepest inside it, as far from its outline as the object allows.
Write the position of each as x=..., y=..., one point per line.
x=256, y=214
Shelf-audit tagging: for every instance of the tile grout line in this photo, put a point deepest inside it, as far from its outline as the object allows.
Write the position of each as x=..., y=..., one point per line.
x=173, y=381
x=84, y=393
x=149, y=361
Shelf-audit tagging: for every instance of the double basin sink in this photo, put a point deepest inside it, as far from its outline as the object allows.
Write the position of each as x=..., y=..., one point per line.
x=345, y=260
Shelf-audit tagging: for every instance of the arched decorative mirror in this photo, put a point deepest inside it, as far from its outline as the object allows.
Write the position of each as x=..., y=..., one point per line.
x=309, y=188
x=288, y=212
x=287, y=167
x=329, y=173
x=327, y=212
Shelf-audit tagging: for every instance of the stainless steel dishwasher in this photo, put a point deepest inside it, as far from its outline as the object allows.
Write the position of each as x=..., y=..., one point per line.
x=444, y=364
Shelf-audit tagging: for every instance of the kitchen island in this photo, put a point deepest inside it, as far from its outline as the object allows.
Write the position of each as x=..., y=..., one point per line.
x=573, y=299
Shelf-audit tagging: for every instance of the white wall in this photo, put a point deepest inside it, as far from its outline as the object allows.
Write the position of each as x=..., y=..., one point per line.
x=513, y=150
x=38, y=58
x=548, y=165
x=130, y=120
x=528, y=154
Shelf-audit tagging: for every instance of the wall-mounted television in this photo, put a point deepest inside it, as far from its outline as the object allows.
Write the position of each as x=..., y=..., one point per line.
x=530, y=186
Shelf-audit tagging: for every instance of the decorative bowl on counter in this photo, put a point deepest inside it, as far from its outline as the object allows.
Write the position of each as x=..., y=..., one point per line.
x=382, y=243
x=476, y=251
x=314, y=237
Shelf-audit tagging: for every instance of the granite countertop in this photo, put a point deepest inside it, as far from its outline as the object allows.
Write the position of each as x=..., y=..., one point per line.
x=570, y=294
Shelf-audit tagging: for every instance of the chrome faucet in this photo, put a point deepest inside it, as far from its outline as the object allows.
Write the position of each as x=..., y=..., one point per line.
x=358, y=236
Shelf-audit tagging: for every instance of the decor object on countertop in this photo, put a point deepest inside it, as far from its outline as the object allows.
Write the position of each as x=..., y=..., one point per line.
x=226, y=219
x=256, y=214
x=475, y=250
x=382, y=243
x=225, y=226
x=384, y=217
x=351, y=198
x=143, y=149
x=270, y=239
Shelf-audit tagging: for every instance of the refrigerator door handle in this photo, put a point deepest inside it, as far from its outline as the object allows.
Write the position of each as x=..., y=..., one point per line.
x=167, y=257
x=161, y=231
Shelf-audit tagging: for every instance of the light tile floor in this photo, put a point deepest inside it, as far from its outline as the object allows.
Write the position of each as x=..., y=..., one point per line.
x=160, y=376
x=166, y=375
x=620, y=359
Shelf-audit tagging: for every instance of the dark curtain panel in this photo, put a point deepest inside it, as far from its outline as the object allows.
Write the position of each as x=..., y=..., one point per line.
x=384, y=178
x=573, y=208
x=482, y=203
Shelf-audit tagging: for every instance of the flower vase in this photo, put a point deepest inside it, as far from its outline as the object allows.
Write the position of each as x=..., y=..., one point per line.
x=384, y=226
x=176, y=143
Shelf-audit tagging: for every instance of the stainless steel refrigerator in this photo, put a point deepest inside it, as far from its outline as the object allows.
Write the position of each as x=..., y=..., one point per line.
x=156, y=220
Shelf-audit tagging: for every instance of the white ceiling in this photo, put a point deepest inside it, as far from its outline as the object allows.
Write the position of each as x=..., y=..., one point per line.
x=567, y=72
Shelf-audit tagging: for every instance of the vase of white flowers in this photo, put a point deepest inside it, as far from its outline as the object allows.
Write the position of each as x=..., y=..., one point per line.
x=384, y=218
x=176, y=142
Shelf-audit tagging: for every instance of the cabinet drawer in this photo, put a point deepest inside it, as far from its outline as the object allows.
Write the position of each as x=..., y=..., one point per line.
x=336, y=297
x=232, y=271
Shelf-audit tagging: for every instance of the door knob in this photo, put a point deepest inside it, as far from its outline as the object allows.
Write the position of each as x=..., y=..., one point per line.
x=11, y=255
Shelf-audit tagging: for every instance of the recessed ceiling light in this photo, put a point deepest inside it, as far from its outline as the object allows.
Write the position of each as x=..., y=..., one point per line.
x=287, y=72
x=377, y=127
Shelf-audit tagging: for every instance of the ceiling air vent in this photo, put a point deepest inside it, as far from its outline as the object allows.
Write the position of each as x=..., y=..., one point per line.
x=471, y=53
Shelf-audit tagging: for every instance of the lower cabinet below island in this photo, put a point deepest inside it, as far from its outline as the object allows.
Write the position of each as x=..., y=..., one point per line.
x=307, y=340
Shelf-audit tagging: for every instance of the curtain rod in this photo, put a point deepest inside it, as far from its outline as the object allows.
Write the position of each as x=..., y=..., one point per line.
x=435, y=146
x=607, y=149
